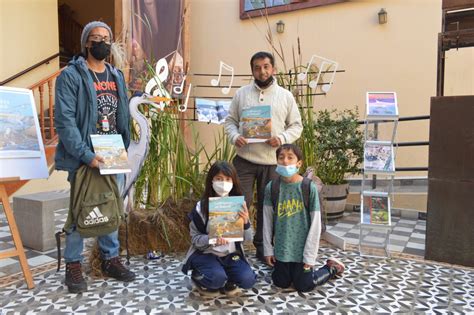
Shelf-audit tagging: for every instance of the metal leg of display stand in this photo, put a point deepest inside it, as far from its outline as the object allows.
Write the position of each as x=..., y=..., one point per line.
x=384, y=245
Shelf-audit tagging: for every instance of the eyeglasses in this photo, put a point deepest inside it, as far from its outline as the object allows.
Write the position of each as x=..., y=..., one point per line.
x=99, y=38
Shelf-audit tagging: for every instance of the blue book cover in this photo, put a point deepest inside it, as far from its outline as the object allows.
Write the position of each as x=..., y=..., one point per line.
x=112, y=149
x=224, y=219
x=256, y=123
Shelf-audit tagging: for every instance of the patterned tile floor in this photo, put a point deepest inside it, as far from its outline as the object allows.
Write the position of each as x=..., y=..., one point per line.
x=407, y=235
x=35, y=258
x=370, y=285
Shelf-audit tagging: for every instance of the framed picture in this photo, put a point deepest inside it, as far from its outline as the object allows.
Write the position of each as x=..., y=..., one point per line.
x=378, y=157
x=375, y=208
x=381, y=106
x=21, y=147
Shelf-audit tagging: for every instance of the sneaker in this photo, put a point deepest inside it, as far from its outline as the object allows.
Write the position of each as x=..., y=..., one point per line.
x=74, y=280
x=115, y=269
x=337, y=265
x=203, y=290
x=230, y=289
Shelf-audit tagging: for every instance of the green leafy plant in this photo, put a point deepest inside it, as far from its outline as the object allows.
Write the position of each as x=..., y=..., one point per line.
x=340, y=145
x=174, y=169
x=331, y=141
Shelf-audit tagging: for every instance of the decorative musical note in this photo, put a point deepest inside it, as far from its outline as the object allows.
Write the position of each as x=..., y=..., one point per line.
x=184, y=107
x=214, y=82
x=324, y=62
x=156, y=83
x=178, y=89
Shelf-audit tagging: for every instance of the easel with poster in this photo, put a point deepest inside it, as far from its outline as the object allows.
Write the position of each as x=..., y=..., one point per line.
x=379, y=160
x=22, y=157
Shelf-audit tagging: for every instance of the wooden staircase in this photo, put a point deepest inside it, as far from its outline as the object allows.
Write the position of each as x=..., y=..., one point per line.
x=69, y=34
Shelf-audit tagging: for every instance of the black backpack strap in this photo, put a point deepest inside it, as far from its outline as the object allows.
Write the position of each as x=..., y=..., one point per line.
x=126, y=238
x=306, y=190
x=275, y=192
x=57, y=235
x=196, y=218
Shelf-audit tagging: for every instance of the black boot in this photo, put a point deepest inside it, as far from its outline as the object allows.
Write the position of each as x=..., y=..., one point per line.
x=74, y=280
x=114, y=268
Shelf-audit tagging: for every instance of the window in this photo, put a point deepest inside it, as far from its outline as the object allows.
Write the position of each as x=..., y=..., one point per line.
x=251, y=8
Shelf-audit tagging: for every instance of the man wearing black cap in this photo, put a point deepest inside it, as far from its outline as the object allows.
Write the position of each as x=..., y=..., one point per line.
x=90, y=99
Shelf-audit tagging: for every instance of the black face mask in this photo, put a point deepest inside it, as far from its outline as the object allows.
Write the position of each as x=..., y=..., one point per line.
x=100, y=50
x=264, y=84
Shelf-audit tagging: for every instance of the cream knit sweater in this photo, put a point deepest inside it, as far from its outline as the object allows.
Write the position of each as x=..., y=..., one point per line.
x=286, y=120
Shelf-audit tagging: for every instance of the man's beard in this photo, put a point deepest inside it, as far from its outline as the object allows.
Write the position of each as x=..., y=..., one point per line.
x=264, y=84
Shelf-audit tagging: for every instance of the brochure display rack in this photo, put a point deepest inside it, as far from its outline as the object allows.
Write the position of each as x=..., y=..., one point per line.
x=379, y=160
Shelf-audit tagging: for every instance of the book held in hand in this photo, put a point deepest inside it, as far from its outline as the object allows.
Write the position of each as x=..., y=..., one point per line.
x=224, y=219
x=256, y=123
x=375, y=208
x=112, y=149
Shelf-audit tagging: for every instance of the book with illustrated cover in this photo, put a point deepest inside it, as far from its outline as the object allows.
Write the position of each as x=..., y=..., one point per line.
x=224, y=219
x=382, y=105
x=378, y=157
x=256, y=123
x=112, y=149
x=375, y=208
x=212, y=111
x=19, y=128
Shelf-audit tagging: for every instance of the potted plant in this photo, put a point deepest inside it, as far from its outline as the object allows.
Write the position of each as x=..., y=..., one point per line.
x=339, y=151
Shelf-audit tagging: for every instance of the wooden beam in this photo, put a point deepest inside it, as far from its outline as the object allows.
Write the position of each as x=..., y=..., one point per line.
x=457, y=4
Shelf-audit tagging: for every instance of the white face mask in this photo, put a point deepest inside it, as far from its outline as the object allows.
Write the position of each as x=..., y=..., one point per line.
x=222, y=188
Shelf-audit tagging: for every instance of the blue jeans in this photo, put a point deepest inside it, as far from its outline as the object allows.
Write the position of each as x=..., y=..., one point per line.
x=212, y=272
x=286, y=273
x=108, y=244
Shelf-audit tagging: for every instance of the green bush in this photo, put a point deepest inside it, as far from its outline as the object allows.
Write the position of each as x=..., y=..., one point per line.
x=339, y=145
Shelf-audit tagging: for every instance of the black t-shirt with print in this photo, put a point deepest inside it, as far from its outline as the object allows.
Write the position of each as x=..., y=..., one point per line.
x=107, y=102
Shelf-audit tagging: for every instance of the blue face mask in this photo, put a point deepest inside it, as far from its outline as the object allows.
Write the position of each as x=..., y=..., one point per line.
x=287, y=171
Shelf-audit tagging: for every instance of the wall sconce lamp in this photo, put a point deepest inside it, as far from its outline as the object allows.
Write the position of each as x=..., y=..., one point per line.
x=382, y=16
x=280, y=27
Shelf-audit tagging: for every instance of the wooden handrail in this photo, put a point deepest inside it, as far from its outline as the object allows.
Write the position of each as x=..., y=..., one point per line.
x=36, y=65
x=45, y=80
x=49, y=136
